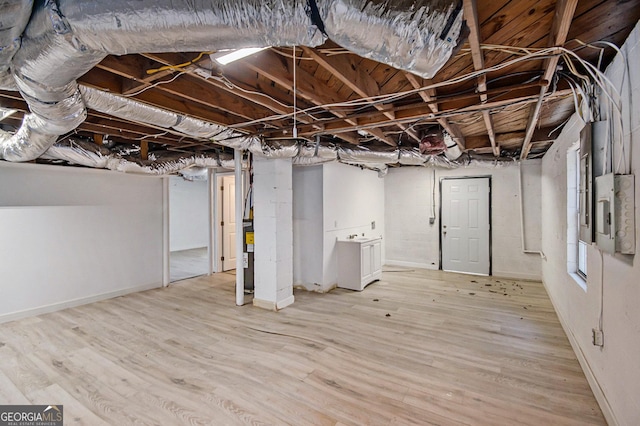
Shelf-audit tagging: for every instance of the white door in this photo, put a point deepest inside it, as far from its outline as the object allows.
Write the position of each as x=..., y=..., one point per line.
x=465, y=225
x=228, y=223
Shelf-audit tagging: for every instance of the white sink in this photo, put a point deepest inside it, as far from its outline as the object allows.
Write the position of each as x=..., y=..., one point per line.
x=360, y=239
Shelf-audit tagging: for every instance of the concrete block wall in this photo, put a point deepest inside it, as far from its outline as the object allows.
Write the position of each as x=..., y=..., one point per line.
x=612, y=280
x=273, y=227
x=412, y=241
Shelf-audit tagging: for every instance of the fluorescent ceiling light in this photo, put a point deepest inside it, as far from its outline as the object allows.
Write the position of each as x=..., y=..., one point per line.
x=238, y=54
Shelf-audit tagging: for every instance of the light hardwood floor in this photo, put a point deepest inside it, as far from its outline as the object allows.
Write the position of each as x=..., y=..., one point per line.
x=418, y=347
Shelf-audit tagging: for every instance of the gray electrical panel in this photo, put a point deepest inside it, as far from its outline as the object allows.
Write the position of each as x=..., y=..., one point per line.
x=615, y=213
x=605, y=219
x=600, y=148
x=624, y=206
x=586, y=185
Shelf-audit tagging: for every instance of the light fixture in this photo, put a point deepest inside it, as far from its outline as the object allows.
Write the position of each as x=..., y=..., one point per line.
x=234, y=55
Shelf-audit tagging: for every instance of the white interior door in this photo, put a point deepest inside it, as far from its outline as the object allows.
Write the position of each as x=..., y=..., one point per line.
x=228, y=223
x=465, y=225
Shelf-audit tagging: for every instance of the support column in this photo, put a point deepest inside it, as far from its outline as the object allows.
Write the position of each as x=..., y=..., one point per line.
x=273, y=227
x=237, y=157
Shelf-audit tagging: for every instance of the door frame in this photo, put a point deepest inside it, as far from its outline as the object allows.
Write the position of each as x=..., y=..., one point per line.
x=217, y=217
x=166, y=226
x=442, y=178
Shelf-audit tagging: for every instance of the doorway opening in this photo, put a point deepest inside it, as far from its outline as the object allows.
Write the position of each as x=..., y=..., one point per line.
x=189, y=226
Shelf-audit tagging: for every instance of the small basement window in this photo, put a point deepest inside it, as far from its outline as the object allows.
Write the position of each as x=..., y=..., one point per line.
x=576, y=249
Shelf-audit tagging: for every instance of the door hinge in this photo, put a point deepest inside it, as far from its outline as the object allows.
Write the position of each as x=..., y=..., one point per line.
x=221, y=223
x=222, y=258
x=222, y=188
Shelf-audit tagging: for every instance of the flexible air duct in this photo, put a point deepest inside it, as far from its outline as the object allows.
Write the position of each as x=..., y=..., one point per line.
x=309, y=155
x=412, y=157
x=14, y=15
x=66, y=38
x=90, y=155
x=415, y=35
x=276, y=148
x=361, y=154
x=134, y=110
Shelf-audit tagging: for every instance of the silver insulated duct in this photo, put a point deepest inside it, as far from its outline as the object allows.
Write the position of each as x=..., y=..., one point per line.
x=14, y=15
x=66, y=38
x=414, y=35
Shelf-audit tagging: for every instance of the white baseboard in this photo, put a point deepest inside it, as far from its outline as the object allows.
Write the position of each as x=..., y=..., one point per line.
x=12, y=316
x=410, y=264
x=273, y=306
x=598, y=393
x=315, y=287
x=264, y=304
x=286, y=302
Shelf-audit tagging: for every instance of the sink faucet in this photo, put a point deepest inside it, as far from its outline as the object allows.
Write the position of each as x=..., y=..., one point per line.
x=352, y=236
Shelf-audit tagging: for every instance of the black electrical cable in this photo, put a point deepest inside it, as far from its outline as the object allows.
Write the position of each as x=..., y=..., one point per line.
x=314, y=14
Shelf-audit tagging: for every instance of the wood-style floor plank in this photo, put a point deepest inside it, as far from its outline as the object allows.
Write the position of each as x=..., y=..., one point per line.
x=418, y=347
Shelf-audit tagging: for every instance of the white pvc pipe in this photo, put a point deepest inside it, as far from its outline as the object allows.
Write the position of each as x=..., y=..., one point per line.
x=237, y=158
x=211, y=177
x=524, y=249
x=166, y=248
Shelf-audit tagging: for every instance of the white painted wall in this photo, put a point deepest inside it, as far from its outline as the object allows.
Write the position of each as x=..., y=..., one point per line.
x=332, y=201
x=188, y=216
x=307, y=226
x=613, y=370
x=353, y=198
x=70, y=236
x=412, y=241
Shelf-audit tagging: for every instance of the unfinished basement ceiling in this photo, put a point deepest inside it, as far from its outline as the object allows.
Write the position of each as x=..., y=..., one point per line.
x=512, y=105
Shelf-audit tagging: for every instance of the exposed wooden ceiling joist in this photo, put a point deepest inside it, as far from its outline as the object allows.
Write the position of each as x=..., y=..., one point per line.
x=558, y=36
x=306, y=86
x=429, y=97
x=233, y=87
x=471, y=15
x=361, y=83
x=416, y=112
x=255, y=95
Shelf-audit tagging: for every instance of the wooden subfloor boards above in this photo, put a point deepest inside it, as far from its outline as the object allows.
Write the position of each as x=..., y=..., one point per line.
x=417, y=347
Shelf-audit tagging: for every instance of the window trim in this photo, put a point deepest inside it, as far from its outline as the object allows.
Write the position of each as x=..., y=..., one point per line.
x=573, y=218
